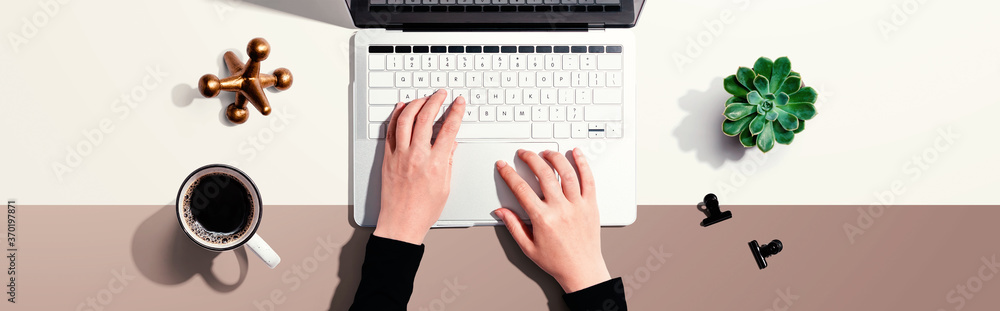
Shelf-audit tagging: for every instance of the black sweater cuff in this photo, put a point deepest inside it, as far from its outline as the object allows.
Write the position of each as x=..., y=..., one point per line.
x=609, y=295
x=387, y=274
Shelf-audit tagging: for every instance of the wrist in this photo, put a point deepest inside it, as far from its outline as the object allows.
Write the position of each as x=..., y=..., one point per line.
x=584, y=279
x=400, y=234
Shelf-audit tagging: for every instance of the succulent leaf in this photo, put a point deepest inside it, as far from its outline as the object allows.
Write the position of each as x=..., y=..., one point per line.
x=802, y=126
x=747, y=139
x=754, y=98
x=733, y=87
x=782, y=67
x=745, y=76
x=771, y=115
x=791, y=85
x=763, y=66
x=805, y=95
x=739, y=111
x=735, y=99
x=761, y=83
x=733, y=128
x=802, y=111
x=795, y=74
x=765, y=141
x=781, y=135
x=781, y=99
x=757, y=125
x=787, y=120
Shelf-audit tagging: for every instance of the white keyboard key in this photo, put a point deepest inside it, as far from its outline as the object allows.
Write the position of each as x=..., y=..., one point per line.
x=403, y=79
x=580, y=130
x=421, y=93
x=596, y=126
x=583, y=96
x=508, y=79
x=505, y=113
x=531, y=96
x=429, y=62
x=557, y=113
x=597, y=79
x=447, y=62
x=571, y=62
x=539, y=113
x=517, y=62
x=471, y=115
x=491, y=79
x=499, y=61
x=609, y=61
x=474, y=79
x=561, y=79
x=541, y=130
x=464, y=93
x=411, y=62
x=522, y=113
x=407, y=95
x=509, y=130
x=439, y=79
x=602, y=113
x=579, y=78
x=383, y=96
x=536, y=62
x=394, y=62
x=381, y=79
x=513, y=96
x=566, y=96
x=596, y=134
x=614, y=130
x=549, y=96
x=380, y=113
x=526, y=79
x=456, y=79
x=465, y=62
x=561, y=130
x=421, y=79
x=608, y=96
x=614, y=78
x=574, y=113
x=544, y=79
x=478, y=96
x=553, y=62
x=496, y=96
x=588, y=62
x=377, y=130
x=483, y=62
x=487, y=114
x=376, y=62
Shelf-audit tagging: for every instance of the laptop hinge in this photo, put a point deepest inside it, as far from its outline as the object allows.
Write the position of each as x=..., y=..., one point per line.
x=492, y=27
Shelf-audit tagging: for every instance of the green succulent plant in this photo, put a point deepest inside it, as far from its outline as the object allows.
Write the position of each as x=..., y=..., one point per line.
x=769, y=104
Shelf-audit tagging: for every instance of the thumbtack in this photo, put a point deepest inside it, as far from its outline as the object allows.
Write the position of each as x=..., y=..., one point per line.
x=761, y=252
x=711, y=210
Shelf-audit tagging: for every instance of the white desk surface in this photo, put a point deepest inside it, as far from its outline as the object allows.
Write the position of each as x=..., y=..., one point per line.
x=885, y=99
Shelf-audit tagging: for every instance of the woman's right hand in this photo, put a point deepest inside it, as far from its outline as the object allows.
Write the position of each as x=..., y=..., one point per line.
x=565, y=234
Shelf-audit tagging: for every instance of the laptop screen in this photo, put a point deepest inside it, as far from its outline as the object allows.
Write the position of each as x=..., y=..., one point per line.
x=494, y=14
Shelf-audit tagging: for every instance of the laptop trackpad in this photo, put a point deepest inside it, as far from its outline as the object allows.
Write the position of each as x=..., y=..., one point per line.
x=476, y=186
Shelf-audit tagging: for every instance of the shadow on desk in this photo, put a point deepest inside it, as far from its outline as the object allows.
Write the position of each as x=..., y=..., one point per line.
x=164, y=255
x=328, y=11
x=701, y=129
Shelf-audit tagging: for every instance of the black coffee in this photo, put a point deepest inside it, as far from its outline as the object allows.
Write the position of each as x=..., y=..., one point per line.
x=220, y=203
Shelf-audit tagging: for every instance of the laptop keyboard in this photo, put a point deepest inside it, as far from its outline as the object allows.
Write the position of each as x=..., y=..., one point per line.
x=512, y=92
x=495, y=5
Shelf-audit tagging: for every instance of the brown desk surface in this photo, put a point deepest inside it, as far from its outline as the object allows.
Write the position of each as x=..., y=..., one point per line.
x=908, y=258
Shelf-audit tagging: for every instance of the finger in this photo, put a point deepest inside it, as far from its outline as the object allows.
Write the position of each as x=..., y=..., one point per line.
x=570, y=183
x=390, y=131
x=452, y=122
x=522, y=191
x=546, y=177
x=521, y=233
x=404, y=123
x=587, y=187
x=424, y=126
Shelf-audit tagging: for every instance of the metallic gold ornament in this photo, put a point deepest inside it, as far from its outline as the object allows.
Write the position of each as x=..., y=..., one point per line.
x=247, y=81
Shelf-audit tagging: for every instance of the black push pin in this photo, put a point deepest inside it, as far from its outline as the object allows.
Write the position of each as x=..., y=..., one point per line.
x=759, y=253
x=712, y=211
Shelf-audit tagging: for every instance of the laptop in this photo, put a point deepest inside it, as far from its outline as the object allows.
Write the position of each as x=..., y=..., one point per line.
x=536, y=74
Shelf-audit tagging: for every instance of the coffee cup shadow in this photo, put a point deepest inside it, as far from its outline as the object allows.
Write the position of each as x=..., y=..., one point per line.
x=164, y=255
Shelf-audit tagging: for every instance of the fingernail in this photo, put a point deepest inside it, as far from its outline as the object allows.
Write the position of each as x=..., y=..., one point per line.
x=501, y=164
x=520, y=151
x=496, y=213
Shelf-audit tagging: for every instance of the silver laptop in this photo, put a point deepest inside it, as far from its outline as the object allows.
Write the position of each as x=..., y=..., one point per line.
x=537, y=75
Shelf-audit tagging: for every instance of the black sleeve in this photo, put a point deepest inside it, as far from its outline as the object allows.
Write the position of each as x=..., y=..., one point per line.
x=387, y=275
x=609, y=295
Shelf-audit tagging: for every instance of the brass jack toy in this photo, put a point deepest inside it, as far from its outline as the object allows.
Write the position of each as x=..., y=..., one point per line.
x=247, y=81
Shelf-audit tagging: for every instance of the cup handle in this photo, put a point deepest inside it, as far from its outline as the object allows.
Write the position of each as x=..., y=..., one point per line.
x=264, y=251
